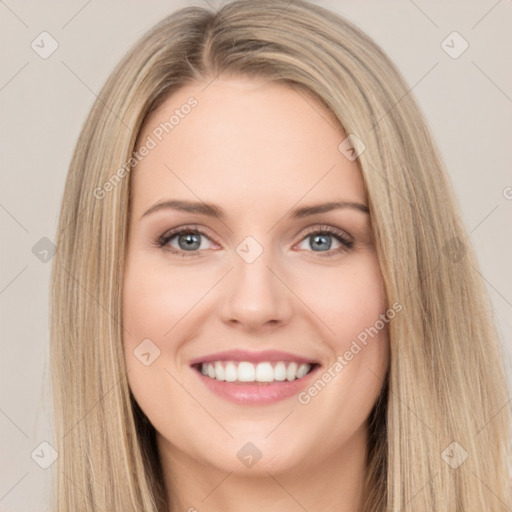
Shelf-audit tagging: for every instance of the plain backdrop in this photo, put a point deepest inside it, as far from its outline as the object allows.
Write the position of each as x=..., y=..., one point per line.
x=44, y=102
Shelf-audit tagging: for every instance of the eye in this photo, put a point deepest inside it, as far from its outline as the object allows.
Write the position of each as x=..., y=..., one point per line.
x=188, y=241
x=320, y=237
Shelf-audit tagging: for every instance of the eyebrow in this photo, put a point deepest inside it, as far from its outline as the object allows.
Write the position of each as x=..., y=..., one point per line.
x=212, y=210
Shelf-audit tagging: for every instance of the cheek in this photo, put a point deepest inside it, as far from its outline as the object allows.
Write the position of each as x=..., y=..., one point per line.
x=348, y=300
x=151, y=307
x=351, y=304
x=155, y=299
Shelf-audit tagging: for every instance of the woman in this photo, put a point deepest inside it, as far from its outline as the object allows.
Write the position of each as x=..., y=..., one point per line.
x=259, y=371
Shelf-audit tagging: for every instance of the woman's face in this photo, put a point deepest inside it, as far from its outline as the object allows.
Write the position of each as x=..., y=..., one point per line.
x=254, y=285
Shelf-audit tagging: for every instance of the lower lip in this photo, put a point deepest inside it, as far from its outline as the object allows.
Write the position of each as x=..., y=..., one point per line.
x=251, y=393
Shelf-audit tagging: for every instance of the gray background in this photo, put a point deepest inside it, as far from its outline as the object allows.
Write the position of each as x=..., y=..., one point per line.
x=43, y=102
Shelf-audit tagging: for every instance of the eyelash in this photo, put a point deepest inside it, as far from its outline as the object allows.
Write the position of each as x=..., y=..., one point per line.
x=346, y=243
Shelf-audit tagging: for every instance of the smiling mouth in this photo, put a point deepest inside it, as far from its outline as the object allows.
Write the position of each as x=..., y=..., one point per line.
x=245, y=372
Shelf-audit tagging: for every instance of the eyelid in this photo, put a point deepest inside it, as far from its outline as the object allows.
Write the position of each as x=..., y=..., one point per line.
x=186, y=228
x=328, y=228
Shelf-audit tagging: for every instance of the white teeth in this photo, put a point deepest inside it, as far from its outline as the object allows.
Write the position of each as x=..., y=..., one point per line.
x=303, y=369
x=220, y=374
x=291, y=372
x=280, y=371
x=231, y=372
x=244, y=371
x=264, y=372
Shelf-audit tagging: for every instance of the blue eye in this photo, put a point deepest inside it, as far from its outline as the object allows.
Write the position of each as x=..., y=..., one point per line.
x=188, y=239
x=319, y=237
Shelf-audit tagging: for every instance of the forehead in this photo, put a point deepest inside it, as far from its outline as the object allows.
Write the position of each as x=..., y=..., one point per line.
x=246, y=140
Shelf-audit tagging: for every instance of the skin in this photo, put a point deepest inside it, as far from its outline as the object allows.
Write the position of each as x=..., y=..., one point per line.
x=257, y=150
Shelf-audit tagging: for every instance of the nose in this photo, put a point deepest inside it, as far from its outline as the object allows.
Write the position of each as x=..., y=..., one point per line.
x=256, y=297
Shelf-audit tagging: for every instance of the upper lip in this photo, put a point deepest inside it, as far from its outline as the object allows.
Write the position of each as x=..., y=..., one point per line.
x=252, y=357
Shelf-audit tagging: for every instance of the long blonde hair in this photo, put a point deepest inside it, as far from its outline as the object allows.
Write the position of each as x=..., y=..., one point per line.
x=440, y=431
